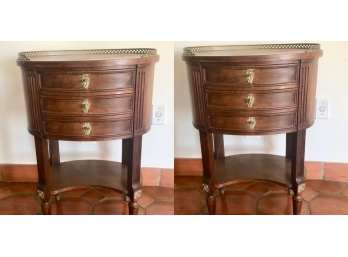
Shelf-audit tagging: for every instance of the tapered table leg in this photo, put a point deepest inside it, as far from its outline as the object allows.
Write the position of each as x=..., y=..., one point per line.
x=54, y=152
x=53, y=146
x=295, y=150
x=208, y=160
x=219, y=149
x=44, y=171
x=131, y=155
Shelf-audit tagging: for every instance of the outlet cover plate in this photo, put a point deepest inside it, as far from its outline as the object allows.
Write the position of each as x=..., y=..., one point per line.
x=322, y=108
x=158, y=114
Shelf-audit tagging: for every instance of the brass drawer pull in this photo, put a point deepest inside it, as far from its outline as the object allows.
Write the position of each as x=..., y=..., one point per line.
x=87, y=128
x=85, y=105
x=85, y=81
x=250, y=100
x=251, y=122
x=250, y=76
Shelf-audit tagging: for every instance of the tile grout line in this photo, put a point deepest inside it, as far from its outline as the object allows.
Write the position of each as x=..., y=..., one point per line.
x=159, y=177
x=322, y=170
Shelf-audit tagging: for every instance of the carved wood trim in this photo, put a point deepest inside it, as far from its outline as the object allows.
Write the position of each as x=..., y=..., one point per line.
x=198, y=106
x=303, y=89
x=139, y=93
x=31, y=88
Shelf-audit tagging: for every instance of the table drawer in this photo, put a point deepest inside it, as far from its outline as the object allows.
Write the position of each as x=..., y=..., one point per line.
x=71, y=130
x=252, y=99
x=258, y=75
x=88, y=80
x=253, y=124
x=117, y=104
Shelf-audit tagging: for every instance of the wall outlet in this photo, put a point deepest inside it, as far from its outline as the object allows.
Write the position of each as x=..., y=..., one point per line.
x=158, y=114
x=322, y=108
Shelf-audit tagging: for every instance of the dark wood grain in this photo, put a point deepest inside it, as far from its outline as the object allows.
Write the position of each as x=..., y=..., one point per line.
x=88, y=95
x=72, y=105
x=54, y=152
x=219, y=149
x=265, y=167
x=271, y=74
x=98, y=80
x=276, y=99
x=281, y=81
x=209, y=174
x=89, y=173
x=73, y=130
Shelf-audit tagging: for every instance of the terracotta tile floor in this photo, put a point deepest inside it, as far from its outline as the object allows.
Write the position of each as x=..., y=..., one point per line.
x=326, y=192
x=18, y=197
x=321, y=197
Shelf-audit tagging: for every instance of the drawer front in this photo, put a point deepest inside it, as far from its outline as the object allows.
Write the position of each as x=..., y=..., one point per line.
x=88, y=80
x=118, y=104
x=252, y=99
x=257, y=75
x=253, y=124
x=71, y=130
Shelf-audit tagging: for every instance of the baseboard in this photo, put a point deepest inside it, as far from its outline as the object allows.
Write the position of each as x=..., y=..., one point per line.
x=28, y=173
x=314, y=169
x=186, y=166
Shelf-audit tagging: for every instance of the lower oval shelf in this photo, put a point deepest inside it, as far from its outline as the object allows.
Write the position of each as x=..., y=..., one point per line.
x=245, y=167
x=89, y=173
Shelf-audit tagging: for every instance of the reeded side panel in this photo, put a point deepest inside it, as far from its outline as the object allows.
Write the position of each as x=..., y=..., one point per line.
x=143, y=99
x=307, y=93
x=31, y=89
x=196, y=80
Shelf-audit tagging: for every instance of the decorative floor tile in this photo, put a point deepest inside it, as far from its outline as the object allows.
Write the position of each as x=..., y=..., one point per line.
x=160, y=208
x=111, y=207
x=257, y=190
x=159, y=192
x=327, y=186
x=188, y=201
x=275, y=204
x=92, y=196
x=19, y=205
x=5, y=192
x=329, y=205
x=20, y=198
x=234, y=202
x=145, y=200
x=309, y=194
x=70, y=206
x=261, y=198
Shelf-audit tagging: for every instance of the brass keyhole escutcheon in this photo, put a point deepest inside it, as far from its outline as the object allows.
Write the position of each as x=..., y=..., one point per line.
x=250, y=76
x=85, y=81
x=87, y=128
x=85, y=105
x=251, y=122
x=250, y=100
